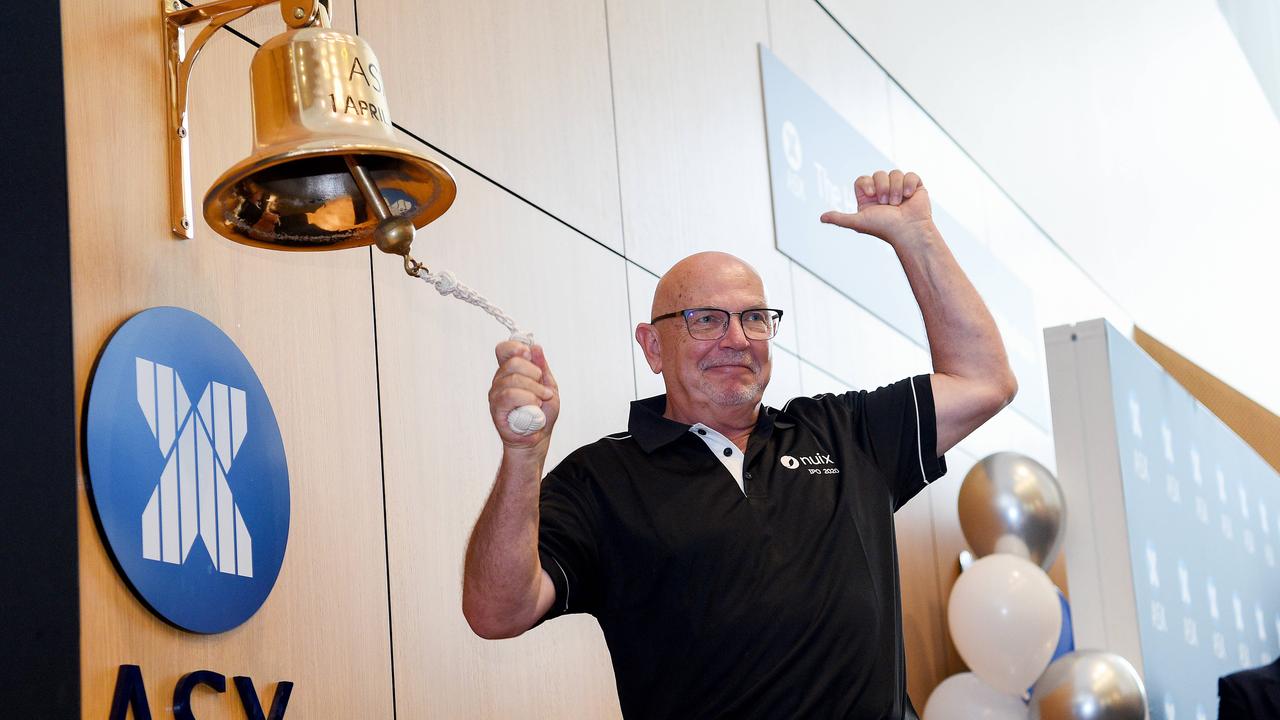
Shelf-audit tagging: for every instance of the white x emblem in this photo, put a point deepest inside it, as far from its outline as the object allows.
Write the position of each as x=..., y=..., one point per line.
x=192, y=498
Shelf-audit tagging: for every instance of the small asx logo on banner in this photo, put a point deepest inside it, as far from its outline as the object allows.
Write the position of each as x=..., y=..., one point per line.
x=190, y=489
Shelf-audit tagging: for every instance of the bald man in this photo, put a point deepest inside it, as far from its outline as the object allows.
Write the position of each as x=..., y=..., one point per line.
x=740, y=559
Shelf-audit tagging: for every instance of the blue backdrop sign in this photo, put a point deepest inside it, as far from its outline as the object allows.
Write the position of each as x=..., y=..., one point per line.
x=187, y=471
x=1202, y=510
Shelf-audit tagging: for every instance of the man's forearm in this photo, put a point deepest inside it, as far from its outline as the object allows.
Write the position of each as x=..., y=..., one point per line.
x=502, y=575
x=963, y=339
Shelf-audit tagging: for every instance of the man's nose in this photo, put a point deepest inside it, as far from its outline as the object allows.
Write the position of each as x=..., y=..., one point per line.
x=735, y=337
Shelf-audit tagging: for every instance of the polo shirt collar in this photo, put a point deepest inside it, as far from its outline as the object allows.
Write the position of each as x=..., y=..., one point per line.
x=652, y=431
x=649, y=427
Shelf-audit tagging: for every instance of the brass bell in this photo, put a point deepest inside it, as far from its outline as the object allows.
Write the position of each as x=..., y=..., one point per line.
x=326, y=170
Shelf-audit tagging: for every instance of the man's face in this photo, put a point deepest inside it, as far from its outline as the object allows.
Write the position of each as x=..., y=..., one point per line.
x=731, y=371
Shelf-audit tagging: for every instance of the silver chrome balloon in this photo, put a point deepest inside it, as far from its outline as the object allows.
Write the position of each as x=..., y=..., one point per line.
x=1089, y=685
x=1010, y=503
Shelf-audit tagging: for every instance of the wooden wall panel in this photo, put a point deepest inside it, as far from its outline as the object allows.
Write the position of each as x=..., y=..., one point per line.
x=518, y=90
x=304, y=321
x=441, y=451
x=948, y=542
x=924, y=608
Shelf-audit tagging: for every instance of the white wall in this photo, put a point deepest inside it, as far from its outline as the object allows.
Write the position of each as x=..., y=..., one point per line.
x=1134, y=133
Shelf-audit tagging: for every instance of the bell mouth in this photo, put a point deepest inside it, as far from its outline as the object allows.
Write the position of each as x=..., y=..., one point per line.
x=302, y=197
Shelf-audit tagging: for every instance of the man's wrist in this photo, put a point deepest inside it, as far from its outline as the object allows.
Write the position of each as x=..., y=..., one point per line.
x=916, y=237
x=524, y=460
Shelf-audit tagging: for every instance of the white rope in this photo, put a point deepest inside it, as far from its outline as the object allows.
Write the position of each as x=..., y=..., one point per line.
x=446, y=284
x=523, y=420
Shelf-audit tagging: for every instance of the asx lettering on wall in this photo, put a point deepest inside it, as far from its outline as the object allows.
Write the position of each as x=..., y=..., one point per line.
x=131, y=694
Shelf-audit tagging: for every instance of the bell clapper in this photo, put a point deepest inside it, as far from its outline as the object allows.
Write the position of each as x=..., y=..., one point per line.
x=394, y=234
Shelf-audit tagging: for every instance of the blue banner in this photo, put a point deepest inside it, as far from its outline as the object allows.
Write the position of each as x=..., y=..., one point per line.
x=1203, y=515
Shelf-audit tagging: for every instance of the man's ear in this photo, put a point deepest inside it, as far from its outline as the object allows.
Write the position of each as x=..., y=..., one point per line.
x=651, y=344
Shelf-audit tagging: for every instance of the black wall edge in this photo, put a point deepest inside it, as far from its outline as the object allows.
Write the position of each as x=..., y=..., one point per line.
x=39, y=572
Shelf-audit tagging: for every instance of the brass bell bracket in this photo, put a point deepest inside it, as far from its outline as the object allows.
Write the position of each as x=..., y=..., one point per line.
x=180, y=58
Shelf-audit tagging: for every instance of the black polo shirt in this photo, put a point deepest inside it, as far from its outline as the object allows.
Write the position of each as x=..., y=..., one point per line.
x=780, y=602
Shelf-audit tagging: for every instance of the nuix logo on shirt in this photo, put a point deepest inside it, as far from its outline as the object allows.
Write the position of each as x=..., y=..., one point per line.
x=187, y=471
x=816, y=464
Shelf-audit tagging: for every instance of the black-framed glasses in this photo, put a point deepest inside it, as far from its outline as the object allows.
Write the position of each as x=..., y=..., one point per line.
x=713, y=323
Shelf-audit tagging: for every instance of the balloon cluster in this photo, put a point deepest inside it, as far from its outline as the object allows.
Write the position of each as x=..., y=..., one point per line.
x=1010, y=623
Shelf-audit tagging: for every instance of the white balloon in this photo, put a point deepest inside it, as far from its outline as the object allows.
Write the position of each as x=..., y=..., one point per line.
x=1005, y=620
x=965, y=697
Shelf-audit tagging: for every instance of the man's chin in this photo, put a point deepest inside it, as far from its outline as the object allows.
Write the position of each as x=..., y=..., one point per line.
x=736, y=396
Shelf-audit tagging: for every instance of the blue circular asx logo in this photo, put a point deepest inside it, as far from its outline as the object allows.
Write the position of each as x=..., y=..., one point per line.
x=187, y=471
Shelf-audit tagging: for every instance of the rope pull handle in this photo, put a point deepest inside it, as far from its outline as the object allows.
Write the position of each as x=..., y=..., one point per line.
x=524, y=420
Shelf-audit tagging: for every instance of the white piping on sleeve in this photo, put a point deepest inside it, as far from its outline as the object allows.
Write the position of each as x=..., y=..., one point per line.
x=915, y=401
x=564, y=575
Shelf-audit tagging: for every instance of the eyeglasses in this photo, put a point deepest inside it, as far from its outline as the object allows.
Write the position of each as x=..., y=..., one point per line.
x=713, y=323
